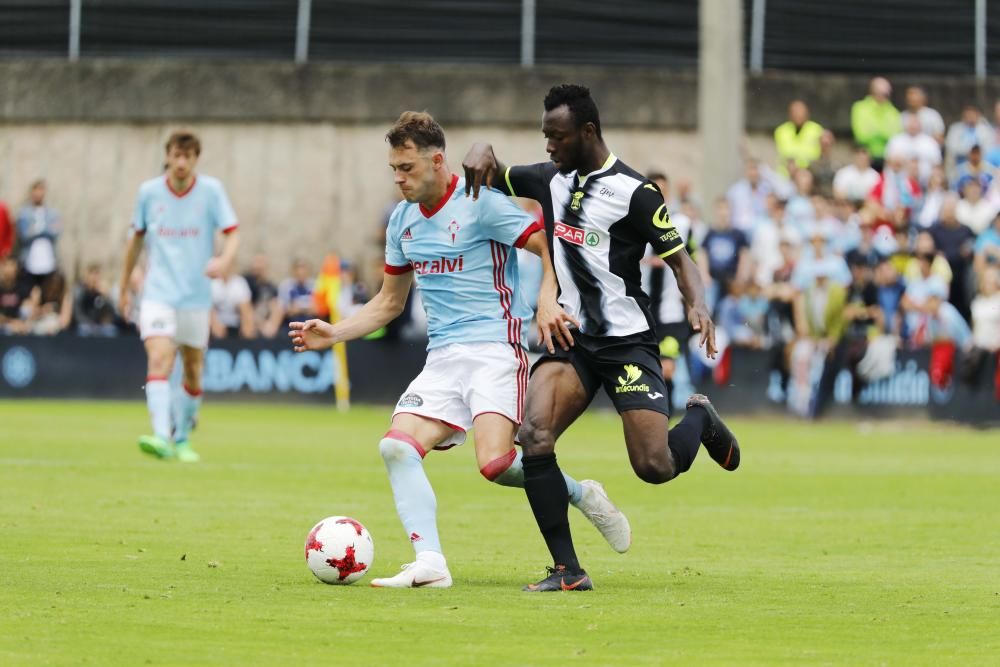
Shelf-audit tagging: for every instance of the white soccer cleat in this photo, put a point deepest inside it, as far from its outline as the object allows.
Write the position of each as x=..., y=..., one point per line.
x=607, y=518
x=419, y=574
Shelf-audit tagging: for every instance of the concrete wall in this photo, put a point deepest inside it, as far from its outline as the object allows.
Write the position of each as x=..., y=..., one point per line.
x=157, y=91
x=299, y=189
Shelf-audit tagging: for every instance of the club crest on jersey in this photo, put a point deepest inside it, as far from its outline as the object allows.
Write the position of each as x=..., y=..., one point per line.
x=453, y=227
x=574, y=203
x=407, y=235
x=573, y=235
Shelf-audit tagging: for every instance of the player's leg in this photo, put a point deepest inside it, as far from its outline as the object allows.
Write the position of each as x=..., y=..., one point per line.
x=502, y=463
x=495, y=386
x=557, y=395
x=157, y=325
x=632, y=377
x=192, y=338
x=403, y=448
x=189, y=402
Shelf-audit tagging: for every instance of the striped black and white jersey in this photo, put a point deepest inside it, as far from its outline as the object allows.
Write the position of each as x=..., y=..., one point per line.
x=598, y=228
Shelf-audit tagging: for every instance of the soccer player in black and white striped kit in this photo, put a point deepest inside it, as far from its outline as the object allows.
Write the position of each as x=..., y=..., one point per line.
x=600, y=215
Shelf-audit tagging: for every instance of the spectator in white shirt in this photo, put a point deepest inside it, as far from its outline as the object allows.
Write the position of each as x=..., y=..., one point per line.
x=855, y=181
x=986, y=312
x=913, y=144
x=232, y=307
x=971, y=130
x=934, y=196
x=973, y=210
x=931, y=122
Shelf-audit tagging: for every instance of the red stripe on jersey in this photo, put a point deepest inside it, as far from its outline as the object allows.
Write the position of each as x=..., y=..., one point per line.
x=398, y=270
x=444, y=200
x=526, y=234
x=500, y=254
x=231, y=228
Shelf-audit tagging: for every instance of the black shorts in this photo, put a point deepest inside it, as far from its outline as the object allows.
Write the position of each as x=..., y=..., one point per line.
x=680, y=332
x=628, y=367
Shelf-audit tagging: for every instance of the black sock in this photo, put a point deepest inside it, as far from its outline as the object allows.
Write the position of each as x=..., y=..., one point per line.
x=549, y=500
x=685, y=438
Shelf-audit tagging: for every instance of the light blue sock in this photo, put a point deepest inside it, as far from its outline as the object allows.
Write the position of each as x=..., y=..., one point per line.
x=187, y=411
x=514, y=476
x=415, y=501
x=158, y=402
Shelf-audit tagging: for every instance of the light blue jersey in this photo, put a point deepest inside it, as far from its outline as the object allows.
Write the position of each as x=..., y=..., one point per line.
x=466, y=268
x=179, y=230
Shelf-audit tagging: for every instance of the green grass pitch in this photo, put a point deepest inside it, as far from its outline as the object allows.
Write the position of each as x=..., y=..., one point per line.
x=836, y=543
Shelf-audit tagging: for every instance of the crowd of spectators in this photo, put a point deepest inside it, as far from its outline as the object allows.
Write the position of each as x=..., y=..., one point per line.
x=837, y=265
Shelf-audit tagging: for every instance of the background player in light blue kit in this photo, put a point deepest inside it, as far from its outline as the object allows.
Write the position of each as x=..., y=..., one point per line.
x=461, y=254
x=176, y=217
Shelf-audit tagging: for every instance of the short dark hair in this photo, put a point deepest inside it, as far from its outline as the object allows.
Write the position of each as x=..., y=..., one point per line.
x=185, y=141
x=578, y=100
x=654, y=175
x=418, y=127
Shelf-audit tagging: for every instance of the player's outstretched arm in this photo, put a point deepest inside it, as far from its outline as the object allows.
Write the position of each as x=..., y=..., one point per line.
x=553, y=322
x=132, y=250
x=218, y=265
x=481, y=167
x=386, y=306
x=693, y=291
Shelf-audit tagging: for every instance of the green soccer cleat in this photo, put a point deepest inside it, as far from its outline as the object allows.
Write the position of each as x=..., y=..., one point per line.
x=184, y=452
x=155, y=446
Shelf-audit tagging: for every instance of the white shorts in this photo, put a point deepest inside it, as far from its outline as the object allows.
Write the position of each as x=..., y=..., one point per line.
x=461, y=381
x=187, y=327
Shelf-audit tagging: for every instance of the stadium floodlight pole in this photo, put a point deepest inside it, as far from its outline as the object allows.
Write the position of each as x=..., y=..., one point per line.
x=527, y=33
x=758, y=11
x=75, y=8
x=980, y=39
x=302, y=32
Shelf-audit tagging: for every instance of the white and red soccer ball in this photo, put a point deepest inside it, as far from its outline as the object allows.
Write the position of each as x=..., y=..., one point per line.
x=339, y=550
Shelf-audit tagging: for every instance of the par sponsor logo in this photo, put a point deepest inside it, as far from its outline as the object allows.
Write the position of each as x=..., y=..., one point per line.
x=573, y=235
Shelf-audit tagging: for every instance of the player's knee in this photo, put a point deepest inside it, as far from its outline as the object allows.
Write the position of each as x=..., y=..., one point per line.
x=498, y=470
x=393, y=449
x=654, y=470
x=535, y=438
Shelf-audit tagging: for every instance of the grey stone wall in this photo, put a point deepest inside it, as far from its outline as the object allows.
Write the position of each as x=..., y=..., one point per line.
x=106, y=91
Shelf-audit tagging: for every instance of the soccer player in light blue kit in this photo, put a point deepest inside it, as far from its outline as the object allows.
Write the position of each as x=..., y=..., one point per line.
x=177, y=216
x=461, y=253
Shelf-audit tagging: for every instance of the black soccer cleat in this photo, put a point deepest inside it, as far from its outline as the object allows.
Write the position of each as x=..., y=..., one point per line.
x=717, y=438
x=560, y=579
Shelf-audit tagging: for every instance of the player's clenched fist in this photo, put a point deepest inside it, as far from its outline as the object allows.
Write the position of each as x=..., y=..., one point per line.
x=311, y=335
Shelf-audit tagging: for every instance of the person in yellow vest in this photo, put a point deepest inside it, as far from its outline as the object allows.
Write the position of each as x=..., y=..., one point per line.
x=874, y=120
x=797, y=139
